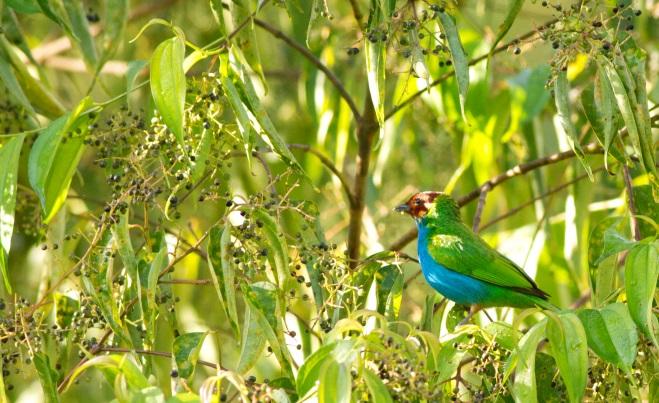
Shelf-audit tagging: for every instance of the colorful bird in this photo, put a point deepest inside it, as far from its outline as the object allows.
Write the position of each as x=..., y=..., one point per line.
x=460, y=265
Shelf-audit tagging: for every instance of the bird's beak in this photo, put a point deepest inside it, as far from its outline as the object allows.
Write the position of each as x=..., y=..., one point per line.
x=403, y=208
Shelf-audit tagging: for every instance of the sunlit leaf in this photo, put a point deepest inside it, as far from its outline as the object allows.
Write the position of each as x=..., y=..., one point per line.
x=379, y=393
x=458, y=57
x=242, y=118
x=335, y=383
x=123, y=364
x=54, y=158
x=186, y=349
x=611, y=334
x=562, y=99
x=253, y=342
x=376, y=52
x=9, y=158
x=222, y=272
x=48, y=377
x=168, y=85
x=522, y=361
x=641, y=272
x=569, y=347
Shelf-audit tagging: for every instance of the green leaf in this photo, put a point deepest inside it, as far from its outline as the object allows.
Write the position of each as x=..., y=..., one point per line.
x=222, y=272
x=605, y=241
x=309, y=372
x=65, y=308
x=569, y=347
x=123, y=364
x=562, y=100
x=24, y=6
x=335, y=383
x=641, y=272
x=504, y=334
x=186, y=349
x=242, y=118
x=376, y=53
x=253, y=342
x=278, y=250
x=44, y=5
x=168, y=85
x=390, y=290
x=511, y=16
x=263, y=300
x=611, y=334
x=13, y=87
x=246, y=37
x=158, y=264
x=273, y=136
x=379, y=392
x=9, y=158
x=80, y=27
x=522, y=360
x=449, y=358
x=115, y=17
x=54, y=158
x=47, y=376
x=458, y=57
x=40, y=98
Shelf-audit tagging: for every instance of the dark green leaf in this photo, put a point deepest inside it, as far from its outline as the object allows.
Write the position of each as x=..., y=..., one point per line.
x=54, y=158
x=389, y=290
x=569, y=347
x=186, y=349
x=168, y=85
x=562, y=100
x=641, y=271
x=611, y=334
x=24, y=6
x=47, y=10
x=12, y=85
x=605, y=241
x=458, y=56
x=65, y=307
x=9, y=158
x=47, y=376
x=335, y=383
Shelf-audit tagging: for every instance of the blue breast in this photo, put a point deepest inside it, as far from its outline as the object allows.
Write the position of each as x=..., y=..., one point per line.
x=454, y=286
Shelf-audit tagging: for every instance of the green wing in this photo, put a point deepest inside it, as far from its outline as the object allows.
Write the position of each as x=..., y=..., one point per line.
x=464, y=252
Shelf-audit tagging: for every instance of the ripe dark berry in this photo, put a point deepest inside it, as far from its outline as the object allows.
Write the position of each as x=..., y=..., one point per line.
x=353, y=51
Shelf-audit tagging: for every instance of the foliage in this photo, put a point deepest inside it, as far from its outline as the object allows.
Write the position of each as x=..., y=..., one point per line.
x=204, y=212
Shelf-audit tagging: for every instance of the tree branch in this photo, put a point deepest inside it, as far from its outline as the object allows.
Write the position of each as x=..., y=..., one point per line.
x=314, y=60
x=636, y=230
x=472, y=62
x=329, y=164
x=357, y=12
x=517, y=170
x=366, y=130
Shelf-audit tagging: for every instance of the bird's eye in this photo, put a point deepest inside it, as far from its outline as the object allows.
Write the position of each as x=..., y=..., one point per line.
x=418, y=202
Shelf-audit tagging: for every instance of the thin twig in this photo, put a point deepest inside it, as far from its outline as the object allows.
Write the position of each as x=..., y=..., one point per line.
x=517, y=170
x=357, y=12
x=314, y=60
x=329, y=164
x=155, y=353
x=472, y=62
x=481, y=206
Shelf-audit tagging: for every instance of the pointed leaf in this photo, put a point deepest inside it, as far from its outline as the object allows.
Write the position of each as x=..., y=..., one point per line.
x=458, y=57
x=511, y=16
x=115, y=17
x=186, y=349
x=379, y=392
x=335, y=383
x=252, y=344
x=80, y=27
x=641, y=272
x=9, y=158
x=561, y=89
x=522, y=360
x=168, y=85
x=222, y=272
x=48, y=377
x=569, y=347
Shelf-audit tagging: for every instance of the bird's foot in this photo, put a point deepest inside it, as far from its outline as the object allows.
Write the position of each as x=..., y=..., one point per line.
x=472, y=311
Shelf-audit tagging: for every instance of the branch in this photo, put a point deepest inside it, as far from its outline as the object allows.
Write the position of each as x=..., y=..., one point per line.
x=472, y=62
x=366, y=130
x=329, y=164
x=357, y=12
x=314, y=60
x=517, y=170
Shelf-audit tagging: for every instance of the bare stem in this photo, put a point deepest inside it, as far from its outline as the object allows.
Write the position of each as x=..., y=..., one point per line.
x=314, y=60
x=636, y=230
x=479, y=210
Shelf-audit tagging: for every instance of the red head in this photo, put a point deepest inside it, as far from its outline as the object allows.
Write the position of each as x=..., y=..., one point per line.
x=419, y=204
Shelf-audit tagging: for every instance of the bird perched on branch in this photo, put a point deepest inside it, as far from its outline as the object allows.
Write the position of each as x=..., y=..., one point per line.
x=460, y=265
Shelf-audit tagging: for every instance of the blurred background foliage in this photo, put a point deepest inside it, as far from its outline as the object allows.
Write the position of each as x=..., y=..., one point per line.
x=197, y=198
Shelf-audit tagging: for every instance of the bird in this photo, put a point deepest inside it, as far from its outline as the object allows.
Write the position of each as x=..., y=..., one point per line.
x=460, y=265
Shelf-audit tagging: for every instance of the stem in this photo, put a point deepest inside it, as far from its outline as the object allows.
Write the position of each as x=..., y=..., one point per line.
x=366, y=130
x=314, y=60
x=636, y=230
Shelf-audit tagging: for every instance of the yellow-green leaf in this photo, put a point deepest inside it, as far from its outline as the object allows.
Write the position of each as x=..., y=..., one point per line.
x=9, y=158
x=168, y=85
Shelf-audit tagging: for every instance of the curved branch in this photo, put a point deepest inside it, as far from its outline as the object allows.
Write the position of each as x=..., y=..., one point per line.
x=472, y=62
x=329, y=165
x=314, y=60
x=517, y=170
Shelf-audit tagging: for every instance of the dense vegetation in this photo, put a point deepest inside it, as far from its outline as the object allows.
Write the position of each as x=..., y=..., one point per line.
x=196, y=198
